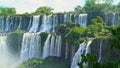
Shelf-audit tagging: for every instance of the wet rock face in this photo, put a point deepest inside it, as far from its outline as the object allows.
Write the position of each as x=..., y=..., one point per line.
x=107, y=54
x=14, y=42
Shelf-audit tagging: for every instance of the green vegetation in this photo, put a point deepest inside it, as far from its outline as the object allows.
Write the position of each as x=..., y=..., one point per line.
x=15, y=41
x=43, y=36
x=43, y=10
x=50, y=62
x=115, y=31
x=4, y=11
x=18, y=32
x=74, y=32
x=93, y=63
x=26, y=14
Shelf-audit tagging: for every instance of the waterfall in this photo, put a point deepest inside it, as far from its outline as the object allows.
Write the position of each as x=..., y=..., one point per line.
x=46, y=47
x=100, y=51
x=11, y=23
x=55, y=22
x=4, y=63
x=30, y=24
x=20, y=22
x=67, y=17
x=43, y=23
x=113, y=19
x=53, y=47
x=7, y=25
x=31, y=47
x=46, y=23
x=7, y=60
x=58, y=46
x=66, y=50
x=83, y=19
x=2, y=24
x=83, y=49
x=35, y=24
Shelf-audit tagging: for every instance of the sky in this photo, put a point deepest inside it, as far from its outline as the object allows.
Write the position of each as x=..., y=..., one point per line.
x=23, y=6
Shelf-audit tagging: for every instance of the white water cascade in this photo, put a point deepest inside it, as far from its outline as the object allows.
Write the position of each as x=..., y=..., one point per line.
x=31, y=47
x=46, y=47
x=7, y=60
x=55, y=22
x=35, y=24
x=20, y=22
x=53, y=47
x=4, y=63
x=83, y=49
x=46, y=23
x=100, y=51
x=81, y=19
x=7, y=24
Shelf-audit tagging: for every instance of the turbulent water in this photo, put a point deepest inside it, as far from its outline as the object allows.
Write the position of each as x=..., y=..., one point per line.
x=35, y=24
x=4, y=63
x=43, y=23
x=53, y=47
x=100, y=51
x=6, y=59
x=83, y=50
x=31, y=45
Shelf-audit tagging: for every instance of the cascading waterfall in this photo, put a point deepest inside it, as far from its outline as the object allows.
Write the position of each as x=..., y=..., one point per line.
x=4, y=63
x=7, y=24
x=100, y=51
x=46, y=47
x=31, y=47
x=43, y=23
x=83, y=49
x=46, y=23
x=30, y=24
x=53, y=47
x=20, y=22
x=7, y=60
x=31, y=42
x=55, y=22
x=111, y=19
x=83, y=19
x=2, y=23
x=67, y=17
x=35, y=24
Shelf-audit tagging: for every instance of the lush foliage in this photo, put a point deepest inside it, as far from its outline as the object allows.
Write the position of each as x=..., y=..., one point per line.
x=93, y=63
x=43, y=36
x=7, y=11
x=43, y=10
x=115, y=31
x=46, y=63
x=74, y=32
x=18, y=32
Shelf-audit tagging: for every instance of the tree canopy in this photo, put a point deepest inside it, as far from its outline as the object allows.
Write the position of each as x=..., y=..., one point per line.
x=7, y=11
x=43, y=10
